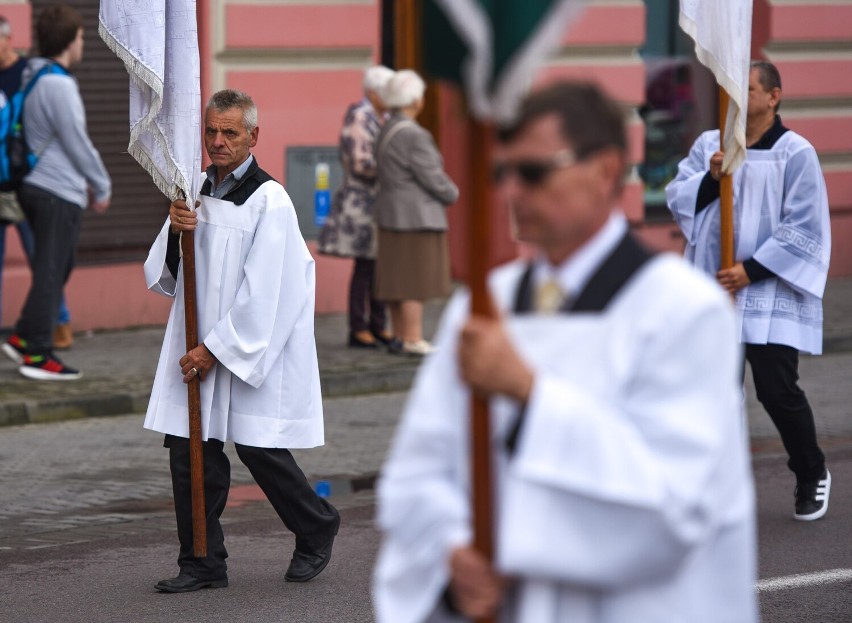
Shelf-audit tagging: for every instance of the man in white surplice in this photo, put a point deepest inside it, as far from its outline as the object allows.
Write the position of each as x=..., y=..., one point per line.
x=257, y=361
x=623, y=486
x=782, y=247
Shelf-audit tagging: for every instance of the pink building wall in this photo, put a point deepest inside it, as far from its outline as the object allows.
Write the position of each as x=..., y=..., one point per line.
x=303, y=61
x=808, y=41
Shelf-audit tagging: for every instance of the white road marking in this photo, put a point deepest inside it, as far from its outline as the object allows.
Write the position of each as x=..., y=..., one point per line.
x=804, y=579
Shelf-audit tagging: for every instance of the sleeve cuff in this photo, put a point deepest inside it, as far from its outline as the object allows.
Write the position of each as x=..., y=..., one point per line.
x=708, y=192
x=757, y=271
x=173, y=253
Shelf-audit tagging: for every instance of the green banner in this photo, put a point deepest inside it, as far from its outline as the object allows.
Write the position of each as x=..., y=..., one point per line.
x=492, y=47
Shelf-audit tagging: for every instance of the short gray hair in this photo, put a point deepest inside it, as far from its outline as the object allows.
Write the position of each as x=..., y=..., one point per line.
x=403, y=90
x=375, y=78
x=5, y=27
x=231, y=98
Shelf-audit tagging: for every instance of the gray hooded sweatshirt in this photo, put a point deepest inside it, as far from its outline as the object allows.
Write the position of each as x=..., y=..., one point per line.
x=55, y=125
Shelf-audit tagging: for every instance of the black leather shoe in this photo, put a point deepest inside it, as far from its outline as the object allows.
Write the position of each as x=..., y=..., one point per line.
x=307, y=565
x=185, y=583
x=395, y=347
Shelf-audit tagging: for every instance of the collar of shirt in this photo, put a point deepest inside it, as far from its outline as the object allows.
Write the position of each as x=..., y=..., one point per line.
x=573, y=274
x=231, y=179
x=771, y=136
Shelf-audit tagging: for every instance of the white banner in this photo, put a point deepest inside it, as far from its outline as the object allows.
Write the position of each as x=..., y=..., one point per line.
x=158, y=42
x=722, y=35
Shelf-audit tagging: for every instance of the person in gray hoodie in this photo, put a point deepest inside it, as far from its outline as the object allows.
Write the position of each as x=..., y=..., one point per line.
x=68, y=177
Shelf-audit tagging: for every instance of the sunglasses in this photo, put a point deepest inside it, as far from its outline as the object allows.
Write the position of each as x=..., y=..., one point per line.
x=533, y=172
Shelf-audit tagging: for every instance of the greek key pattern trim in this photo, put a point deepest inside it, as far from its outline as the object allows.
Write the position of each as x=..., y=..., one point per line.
x=802, y=244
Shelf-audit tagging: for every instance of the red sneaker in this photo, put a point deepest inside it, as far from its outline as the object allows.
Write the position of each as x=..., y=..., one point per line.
x=15, y=348
x=47, y=367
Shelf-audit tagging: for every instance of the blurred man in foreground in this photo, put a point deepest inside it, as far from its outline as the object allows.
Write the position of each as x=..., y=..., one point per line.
x=623, y=486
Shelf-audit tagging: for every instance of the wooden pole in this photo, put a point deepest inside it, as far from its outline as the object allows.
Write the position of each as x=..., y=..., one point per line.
x=478, y=242
x=408, y=54
x=726, y=192
x=193, y=388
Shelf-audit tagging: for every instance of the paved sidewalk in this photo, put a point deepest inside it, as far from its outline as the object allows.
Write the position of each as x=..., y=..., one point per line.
x=118, y=371
x=119, y=366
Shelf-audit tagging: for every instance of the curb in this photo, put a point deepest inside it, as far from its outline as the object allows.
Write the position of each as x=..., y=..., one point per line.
x=334, y=385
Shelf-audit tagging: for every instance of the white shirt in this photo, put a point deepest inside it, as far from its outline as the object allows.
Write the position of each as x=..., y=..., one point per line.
x=575, y=271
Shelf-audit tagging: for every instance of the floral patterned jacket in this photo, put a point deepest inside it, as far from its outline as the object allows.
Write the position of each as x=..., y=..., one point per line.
x=349, y=230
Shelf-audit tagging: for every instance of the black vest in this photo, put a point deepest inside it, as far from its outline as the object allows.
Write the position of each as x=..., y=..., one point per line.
x=245, y=187
x=607, y=281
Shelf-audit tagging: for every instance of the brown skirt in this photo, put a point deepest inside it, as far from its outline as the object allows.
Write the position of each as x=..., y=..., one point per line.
x=412, y=265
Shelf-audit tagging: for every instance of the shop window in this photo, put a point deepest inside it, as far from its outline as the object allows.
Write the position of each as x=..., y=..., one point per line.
x=680, y=102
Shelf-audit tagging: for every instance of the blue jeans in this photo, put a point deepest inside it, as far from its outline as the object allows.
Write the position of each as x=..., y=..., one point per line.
x=25, y=233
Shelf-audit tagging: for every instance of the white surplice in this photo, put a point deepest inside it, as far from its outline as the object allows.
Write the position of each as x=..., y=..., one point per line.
x=781, y=219
x=629, y=496
x=255, y=294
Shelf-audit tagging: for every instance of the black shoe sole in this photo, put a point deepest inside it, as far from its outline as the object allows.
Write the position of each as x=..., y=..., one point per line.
x=356, y=343
x=195, y=587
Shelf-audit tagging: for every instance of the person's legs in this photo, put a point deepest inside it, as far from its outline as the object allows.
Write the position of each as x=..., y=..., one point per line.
x=395, y=309
x=303, y=512
x=311, y=518
x=412, y=321
x=56, y=226
x=217, y=481
x=378, y=315
x=25, y=234
x=63, y=319
x=64, y=316
x=775, y=372
x=359, y=292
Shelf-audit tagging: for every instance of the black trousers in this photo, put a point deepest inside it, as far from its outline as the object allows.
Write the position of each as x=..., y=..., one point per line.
x=303, y=512
x=366, y=313
x=56, y=229
x=775, y=370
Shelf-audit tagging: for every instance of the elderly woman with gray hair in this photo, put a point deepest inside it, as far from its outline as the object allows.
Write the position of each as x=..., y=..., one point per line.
x=349, y=230
x=410, y=210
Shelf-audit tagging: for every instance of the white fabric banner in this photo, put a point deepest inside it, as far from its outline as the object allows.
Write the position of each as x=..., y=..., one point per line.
x=722, y=35
x=158, y=42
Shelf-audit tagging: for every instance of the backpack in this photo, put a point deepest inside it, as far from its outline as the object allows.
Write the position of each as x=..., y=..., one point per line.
x=16, y=159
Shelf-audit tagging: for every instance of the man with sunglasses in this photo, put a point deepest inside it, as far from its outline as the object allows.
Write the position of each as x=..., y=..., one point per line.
x=622, y=482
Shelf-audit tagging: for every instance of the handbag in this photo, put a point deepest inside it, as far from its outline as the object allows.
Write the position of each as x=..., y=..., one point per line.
x=10, y=209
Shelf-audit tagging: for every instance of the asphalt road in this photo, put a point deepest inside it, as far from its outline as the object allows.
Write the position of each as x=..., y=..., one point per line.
x=86, y=529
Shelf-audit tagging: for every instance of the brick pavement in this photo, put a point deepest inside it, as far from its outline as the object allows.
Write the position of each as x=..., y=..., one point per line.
x=87, y=479
x=82, y=478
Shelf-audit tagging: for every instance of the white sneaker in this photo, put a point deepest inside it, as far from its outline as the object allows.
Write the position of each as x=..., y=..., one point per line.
x=420, y=347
